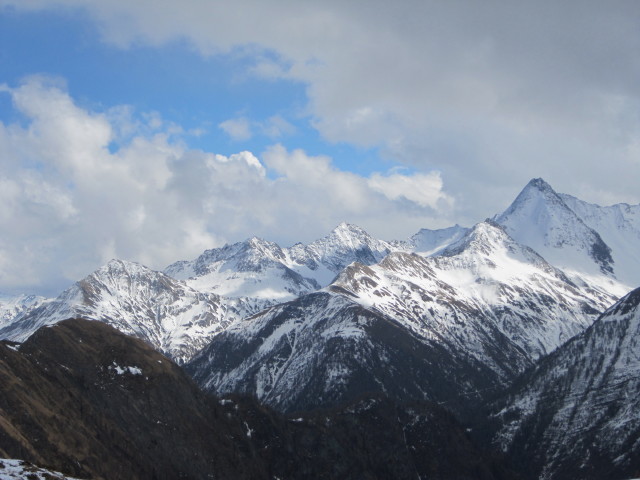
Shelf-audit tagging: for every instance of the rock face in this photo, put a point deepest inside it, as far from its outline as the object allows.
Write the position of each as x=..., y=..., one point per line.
x=577, y=413
x=89, y=401
x=452, y=329
x=166, y=313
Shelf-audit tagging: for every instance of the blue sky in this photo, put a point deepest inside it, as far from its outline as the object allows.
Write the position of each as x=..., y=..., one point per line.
x=194, y=91
x=152, y=130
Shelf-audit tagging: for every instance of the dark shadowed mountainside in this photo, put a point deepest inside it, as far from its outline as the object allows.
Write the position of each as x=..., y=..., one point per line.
x=83, y=399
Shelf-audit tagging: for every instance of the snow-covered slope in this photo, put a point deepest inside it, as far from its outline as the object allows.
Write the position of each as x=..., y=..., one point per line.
x=482, y=287
x=478, y=314
x=11, y=469
x=13, y=306
x=165, y=312
x=540, y=219
x=323, y=349
x=344, y=245
x=577, y=414
x=619, y=227
x=431, y=242
x=253, y=268
x=261, y=269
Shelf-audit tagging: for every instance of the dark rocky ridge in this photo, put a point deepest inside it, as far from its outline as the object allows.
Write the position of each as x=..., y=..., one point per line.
x=86, y=400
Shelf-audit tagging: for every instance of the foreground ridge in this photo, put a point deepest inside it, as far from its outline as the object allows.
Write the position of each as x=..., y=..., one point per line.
x=576, y=413
x=89, y=401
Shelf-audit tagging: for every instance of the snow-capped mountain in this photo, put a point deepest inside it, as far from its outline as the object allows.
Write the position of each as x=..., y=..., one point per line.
x=543, y=220
x=619, y=227
x=431, y=242
x=323, y=349
x=13, y=306
x=163, y=311
x=261, y=269
x=253, y=268
x=577, y=414
x=502, y=286
x=346, y=244
x=451, y=328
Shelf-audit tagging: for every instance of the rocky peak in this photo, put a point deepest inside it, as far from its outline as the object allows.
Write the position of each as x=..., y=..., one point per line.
x=482, y=238
x=540, y=219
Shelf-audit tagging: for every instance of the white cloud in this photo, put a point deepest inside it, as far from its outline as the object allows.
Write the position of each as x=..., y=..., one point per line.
x=277, y=127
x=70, y=203
x=489, y=93
x=239, y=129
x=245, y=157
x=423, y=189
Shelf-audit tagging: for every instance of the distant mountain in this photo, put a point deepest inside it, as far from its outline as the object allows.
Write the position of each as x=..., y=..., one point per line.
x=254, y=268
x=344, y=245
x=577, y=413
x=571, y=239
x=431, y=242
x=261, y=269
x=619, y=227
x=89, y=401
x=166, y=313
x=452, y=328
x=179, y=311
x=13, y=306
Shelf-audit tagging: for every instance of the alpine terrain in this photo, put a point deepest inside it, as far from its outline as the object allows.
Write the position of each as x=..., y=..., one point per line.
x=452, y=328
x=258, y=268
x=163, y=311
x=369, y=351
x=575, y=415
x=84, y=399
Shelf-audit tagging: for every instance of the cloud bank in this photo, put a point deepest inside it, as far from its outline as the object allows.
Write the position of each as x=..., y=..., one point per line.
x=80, y=187
x=489, y=93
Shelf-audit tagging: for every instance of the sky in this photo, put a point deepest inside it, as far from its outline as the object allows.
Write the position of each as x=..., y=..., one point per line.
x=151, y=130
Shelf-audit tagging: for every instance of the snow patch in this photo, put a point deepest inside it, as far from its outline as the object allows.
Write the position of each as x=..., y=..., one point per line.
x=122, y=370
x=11, y=469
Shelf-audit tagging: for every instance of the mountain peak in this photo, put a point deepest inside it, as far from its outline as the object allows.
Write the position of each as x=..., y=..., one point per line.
x=349, y=230
x=540, y=219
x=540, y=184
x=482, y=237
x=116, y=265
x=537, y=190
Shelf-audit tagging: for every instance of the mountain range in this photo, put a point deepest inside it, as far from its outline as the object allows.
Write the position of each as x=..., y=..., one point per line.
x=474, y=320
x=454, y=328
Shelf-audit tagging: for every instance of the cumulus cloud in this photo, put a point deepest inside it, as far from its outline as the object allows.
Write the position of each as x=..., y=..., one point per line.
x=71, y=201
